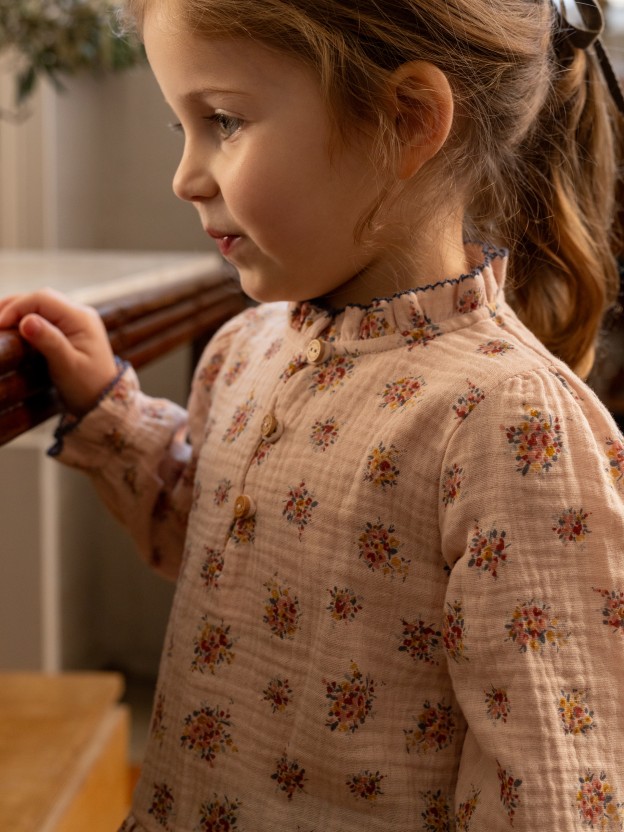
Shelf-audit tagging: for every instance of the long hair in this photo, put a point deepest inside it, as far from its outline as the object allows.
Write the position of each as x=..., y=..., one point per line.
x=534, y=147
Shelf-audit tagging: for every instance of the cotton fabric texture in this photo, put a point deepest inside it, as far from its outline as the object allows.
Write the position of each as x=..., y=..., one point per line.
x=414, y=620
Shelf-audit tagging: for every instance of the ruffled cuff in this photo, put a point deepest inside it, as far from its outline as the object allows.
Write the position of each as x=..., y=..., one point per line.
x=68, y=422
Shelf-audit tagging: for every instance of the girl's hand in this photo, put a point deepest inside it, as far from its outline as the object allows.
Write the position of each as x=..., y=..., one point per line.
x=71, y=338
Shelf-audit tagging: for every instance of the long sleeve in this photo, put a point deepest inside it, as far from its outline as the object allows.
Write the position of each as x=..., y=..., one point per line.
x=141, y=453
x=532, y=520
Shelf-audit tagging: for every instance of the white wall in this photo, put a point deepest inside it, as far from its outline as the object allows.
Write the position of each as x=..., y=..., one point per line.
x=92, y=168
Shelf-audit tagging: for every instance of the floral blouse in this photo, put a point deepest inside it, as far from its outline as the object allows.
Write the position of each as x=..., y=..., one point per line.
x=398, y=538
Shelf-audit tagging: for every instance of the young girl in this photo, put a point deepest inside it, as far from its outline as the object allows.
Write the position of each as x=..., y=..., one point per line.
x=395, y=518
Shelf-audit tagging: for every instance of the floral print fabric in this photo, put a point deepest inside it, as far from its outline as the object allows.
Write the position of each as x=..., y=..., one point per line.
x=415, y=618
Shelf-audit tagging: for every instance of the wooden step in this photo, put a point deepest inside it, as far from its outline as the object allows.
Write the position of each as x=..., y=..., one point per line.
x=63, y=752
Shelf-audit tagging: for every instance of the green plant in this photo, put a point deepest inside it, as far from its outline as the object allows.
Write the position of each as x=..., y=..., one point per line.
x=56, y=38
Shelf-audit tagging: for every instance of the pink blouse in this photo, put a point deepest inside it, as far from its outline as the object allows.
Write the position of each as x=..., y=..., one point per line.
x=398, y=538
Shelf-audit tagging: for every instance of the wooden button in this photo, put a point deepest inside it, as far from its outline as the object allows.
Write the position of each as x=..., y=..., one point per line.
x=269, y=425
x=244, y=507
x=318, y=351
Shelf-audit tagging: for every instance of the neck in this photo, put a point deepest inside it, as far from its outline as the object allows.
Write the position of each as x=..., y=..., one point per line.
x=416, y=259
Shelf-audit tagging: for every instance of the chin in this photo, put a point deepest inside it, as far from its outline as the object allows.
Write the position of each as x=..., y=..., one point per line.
x=266, y=291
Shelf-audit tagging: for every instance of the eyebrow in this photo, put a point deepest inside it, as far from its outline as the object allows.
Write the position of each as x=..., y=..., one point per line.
x=200, y=94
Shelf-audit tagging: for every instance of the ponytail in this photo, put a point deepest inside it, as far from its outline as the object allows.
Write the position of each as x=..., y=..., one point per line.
x=563, y=226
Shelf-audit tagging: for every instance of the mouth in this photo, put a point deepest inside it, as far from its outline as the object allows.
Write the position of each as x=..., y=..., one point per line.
x=224, y=240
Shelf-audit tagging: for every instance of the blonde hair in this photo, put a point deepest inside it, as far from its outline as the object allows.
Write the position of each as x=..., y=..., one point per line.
x=535, y=144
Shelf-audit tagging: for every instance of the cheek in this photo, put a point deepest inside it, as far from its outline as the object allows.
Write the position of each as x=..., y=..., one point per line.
x=265, y=195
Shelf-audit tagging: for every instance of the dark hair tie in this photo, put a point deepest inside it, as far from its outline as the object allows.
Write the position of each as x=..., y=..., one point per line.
x=581, y=25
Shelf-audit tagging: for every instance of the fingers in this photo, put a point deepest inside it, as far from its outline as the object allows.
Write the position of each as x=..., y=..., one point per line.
x=47, y=303
x=46, y=338
x=71, y=338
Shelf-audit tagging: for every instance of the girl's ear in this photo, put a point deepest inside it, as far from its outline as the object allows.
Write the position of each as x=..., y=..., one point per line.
x=424, y=106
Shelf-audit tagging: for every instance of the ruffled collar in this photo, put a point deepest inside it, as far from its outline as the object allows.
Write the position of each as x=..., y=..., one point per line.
x=418, y=313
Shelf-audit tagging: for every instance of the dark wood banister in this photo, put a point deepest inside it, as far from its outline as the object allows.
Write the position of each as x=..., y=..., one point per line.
x=141, y=327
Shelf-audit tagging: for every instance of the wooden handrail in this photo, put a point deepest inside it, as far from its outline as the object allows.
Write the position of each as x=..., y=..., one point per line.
x=142, y=327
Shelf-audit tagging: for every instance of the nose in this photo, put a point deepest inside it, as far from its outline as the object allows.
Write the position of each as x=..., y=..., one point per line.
x=193, y=180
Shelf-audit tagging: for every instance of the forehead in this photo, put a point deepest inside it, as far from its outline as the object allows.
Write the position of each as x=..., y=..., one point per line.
x=188, y=65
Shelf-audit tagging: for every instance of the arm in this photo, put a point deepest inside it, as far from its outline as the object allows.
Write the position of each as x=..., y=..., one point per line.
x=139, y=452
x=534, y=618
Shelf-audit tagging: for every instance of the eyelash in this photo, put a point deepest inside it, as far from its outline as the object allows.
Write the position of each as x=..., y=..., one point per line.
x=225, y=124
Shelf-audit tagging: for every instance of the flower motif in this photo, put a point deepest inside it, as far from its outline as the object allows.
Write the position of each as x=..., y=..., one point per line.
x=332, y=375
x=574, y=711
x=239, y=364
x=244, y=529
x=344, y=604
x=470, y=300
x=437, y=814
x=240, y=420
x=420, y=641
x=130, y=479
x=615, y=455
x=289, y=775
x=218, y=816
x=538, y=442
x=212, y=567
x=509, y=791
x=488, y=550
x=222, y=492
x=435, y=729
x=571, y=526
x=163, y=805
x=494, y=310
x=379, y=549
x=209, y=371
x=366, y=785
x=375, y=323
x=273, y=348
x=298, y=507
x=497, y=704
x=324, y=434
x=467, y=402
x=451, y=485
x=613, y=609
x=465, y=811
x=301, y=316
x=278, y=694
x=294, y=365
x=158, y=728
x=116, y=441
x=533, y=626
x=281, y=610
x=595, y=802
x=381, y=466
x=421, y=331
x=402, y=393
x=454, y=632
x=197, y=492
x=207, y=733
x=495, y=347
x=564, y=383
x=262, y=451
x=212, y=646
x=119, y=393
x=351, y=700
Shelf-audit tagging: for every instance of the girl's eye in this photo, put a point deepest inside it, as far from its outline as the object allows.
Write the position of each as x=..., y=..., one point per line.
x=227, y=125
x=175, y=127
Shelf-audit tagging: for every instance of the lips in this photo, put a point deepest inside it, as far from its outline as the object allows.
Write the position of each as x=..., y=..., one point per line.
x=224, y=240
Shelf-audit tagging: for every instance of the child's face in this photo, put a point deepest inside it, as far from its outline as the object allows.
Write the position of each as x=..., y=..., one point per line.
x=256, y=164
